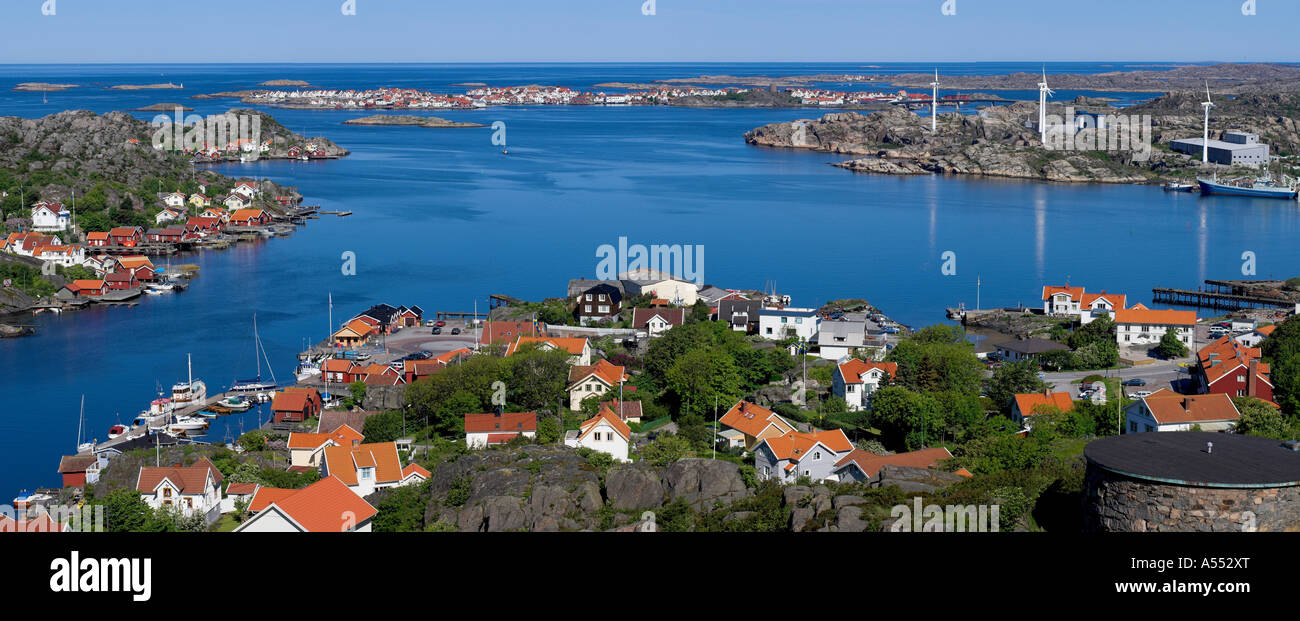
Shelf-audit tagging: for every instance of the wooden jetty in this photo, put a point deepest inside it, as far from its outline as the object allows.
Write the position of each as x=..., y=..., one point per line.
x=1222, y=295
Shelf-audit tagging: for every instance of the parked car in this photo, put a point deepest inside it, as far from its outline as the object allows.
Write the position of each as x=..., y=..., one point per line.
x=1140, y=394
x=428, y=323
x=455, y=330
x=1137, y=381
x=437, y=329
x=889, y=330
x=440, y=323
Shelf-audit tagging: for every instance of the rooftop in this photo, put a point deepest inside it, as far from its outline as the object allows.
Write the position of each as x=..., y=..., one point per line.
x=1181, y=458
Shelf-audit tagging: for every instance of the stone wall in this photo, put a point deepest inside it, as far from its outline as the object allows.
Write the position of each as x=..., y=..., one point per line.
x=1116, y=503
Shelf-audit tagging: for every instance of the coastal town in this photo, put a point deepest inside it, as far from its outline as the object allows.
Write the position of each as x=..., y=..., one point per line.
x=634, y=383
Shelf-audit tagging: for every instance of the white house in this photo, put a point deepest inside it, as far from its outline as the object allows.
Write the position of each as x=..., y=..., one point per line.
x=1143, y=326
x=1058, y=300
x=238, y=201
x=1169, y=411
x=837, y=339
x=170, y=214
x=603, y=432
x=237, y=492
x=67, y=256
x=855, y=380
x=1097, y=305
x=1255, y=337
x=307, y=450
x=192, y=490
x=780, y=323
x=48, y=216
x=797, y=454
x=483, y=430
x=656, y=321
x=325, y=506
x=247, y=189
x=175, y=199
x=594, y=380
x=364, y=468
x=660, y=285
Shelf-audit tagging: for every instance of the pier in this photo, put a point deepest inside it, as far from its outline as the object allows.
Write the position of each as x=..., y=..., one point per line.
x=1223, y=295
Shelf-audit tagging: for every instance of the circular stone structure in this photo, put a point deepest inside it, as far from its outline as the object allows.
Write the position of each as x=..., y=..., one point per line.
x=1191, y=481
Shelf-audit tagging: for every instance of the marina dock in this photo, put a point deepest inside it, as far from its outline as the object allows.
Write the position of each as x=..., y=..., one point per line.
x=1223, y=295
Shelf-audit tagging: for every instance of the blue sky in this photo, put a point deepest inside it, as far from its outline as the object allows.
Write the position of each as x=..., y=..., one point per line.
x=155, y=31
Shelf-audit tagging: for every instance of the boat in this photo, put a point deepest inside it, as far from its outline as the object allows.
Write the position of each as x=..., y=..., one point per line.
x=152, y=291
x=116, y=430
x=236, y=403
x=83, y=447
x=1174, y=186
x=190, y=392
x=186, y=423
x=256, y=384
x=1258, y=188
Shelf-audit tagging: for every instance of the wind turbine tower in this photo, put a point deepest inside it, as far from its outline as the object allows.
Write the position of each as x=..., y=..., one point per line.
x=934, y=101
x=1043, y=94
x=1205, y=136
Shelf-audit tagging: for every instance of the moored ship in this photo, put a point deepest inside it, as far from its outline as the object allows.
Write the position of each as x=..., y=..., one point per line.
x=1258, y=188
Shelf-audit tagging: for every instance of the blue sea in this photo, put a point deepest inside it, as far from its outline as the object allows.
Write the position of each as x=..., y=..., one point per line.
x=441, y=218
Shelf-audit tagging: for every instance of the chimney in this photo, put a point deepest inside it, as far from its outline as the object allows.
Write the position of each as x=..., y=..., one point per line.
x=1251, y=381
x=1209, y=447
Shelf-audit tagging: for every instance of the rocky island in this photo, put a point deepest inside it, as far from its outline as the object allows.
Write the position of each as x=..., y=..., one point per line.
x=44, y=87
x=146, y=87
x=409, y=120
x=163, y=107
x=285, y=83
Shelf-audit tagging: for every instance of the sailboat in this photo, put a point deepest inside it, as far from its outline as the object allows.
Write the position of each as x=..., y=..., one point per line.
x=83, y=447
x=256, y=384
x=190, y=392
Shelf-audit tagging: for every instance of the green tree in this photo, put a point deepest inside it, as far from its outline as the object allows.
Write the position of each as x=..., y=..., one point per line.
x=699, y=377
x=665, y=450
x=1261, y=419
x=358, y=391
x=1013, y=379
x=535, y=378
x=1282, y=350
x=125, y=511
x=905, y=418
x=1171, y=346
x=383, y=426
x=548, y=430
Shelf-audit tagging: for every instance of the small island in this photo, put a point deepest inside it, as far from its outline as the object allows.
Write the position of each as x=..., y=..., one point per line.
x=285, y=83
x=44, y=87
x=146, y=87
x=470, y=84
x=163, y=107
x=407, y=119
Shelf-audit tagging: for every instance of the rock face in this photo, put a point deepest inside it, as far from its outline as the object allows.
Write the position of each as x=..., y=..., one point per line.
x=553, y=488
x=917, y=479
x=409, y=119
x=701, y=482
x=995, y=143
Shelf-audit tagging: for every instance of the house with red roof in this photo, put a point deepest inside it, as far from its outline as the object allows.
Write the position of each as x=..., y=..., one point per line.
x=353, y=334
x=750, y=424
x=121, y=281
x=295, y=406
x=1144, y=326
x=194, y=489
x=42, y=523
x=1031, y=404
x=578, y=347
x=238, y=492
x=364, y=467
x=483, y=430
x=505, y=332
x=342, y=371
x=73, y=468
x=307, y=450
x=1062, y=300
x=86, y=288
x=1165, y=410
x=627, y=411
x=414, y=474
x=129, y=236
x=250, y=217
x=1228, y=367
x=797, y=454
x=604, y=432
x=656, y=321
x=856, y=380
x=860, y=466
x=593, y=380
x=326, y=506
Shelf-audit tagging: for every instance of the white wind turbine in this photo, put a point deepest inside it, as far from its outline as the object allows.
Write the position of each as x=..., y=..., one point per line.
x=1043, y=94
x=1205, y=137
x=934, y=101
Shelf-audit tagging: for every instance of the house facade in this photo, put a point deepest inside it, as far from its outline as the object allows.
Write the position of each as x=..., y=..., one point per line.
x=781, y=323
x=1228, y=367
x=594, y=380
x=755, y=423
x=194, y=489
x=603, y=432
x=1143, y=326
x=47, y=216
x=483, y=430
x=597, y=302
x=797, y=454
x=856, y=380
x=327, y=505
x=656, y=321
x=1169, y=411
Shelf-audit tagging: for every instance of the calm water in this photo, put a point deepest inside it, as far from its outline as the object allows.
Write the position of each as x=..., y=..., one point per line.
x=442, y=218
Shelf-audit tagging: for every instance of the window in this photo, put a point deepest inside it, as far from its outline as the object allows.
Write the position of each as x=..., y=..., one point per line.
x=189, y=503
x=604, y=308
x=601, y=297
x=588, y=297
x=1133, y=426
x=817, y=455
x=848, y=388
x=167, y=492
x=783, y=320
x=1150, y=428
x=586, y=308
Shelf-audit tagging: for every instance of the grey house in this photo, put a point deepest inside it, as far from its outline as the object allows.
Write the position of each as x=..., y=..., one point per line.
x=1026, y=349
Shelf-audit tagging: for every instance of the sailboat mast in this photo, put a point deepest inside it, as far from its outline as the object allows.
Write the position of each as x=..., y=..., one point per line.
x=81, y=421
x=256, y=359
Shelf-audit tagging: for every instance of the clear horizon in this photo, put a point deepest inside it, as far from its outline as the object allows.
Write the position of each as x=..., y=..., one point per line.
x=618, y=31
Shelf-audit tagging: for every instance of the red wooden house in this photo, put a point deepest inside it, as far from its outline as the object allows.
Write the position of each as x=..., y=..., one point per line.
x=250, y=217
x=73, y=468
x=128, y=236
x=97, y=238
x=85, y=288
x=205, y=226
x=118, y=281
x=294, y=406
